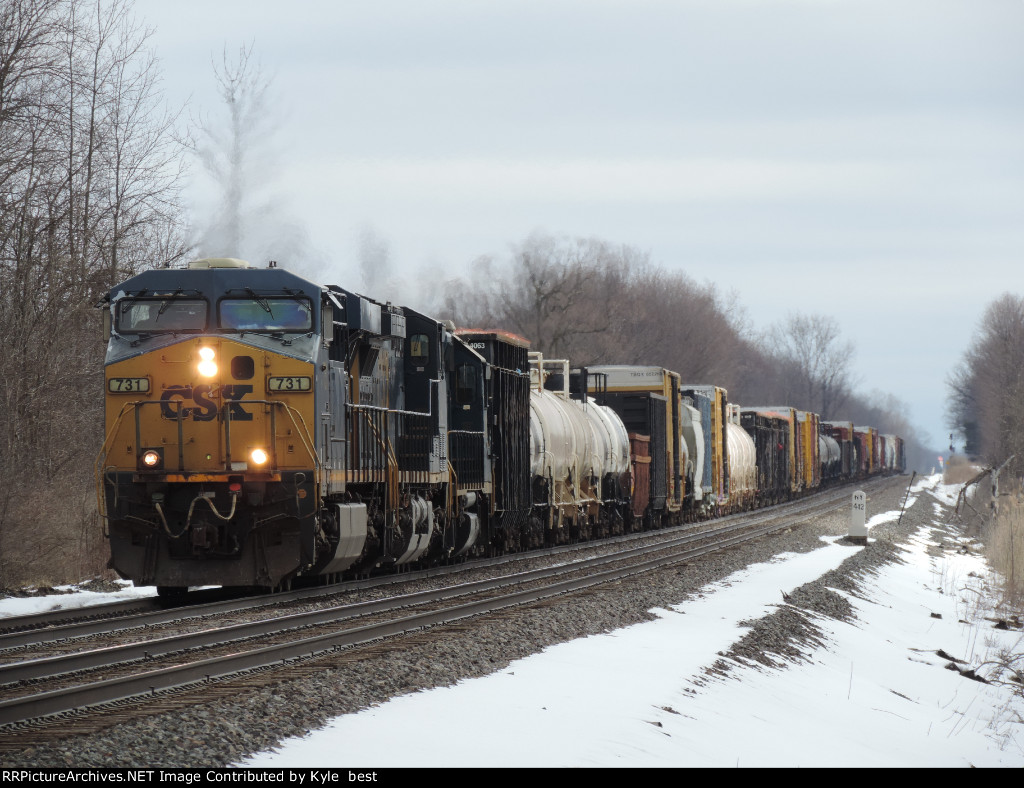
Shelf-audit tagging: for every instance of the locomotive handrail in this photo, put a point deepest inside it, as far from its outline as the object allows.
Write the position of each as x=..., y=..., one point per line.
x=385, y=409
x=134, y=406
x=292, y=413
x=101, y=456
x=453, y=485
x=384, y=443
x=303, y=432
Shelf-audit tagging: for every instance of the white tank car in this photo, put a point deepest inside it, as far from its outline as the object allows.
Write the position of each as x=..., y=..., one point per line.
x=559, y=437
x=615, y=458
x=831, y=456
x=571, y=443
x=889, y=462
x=742, y=466
x=693, y=437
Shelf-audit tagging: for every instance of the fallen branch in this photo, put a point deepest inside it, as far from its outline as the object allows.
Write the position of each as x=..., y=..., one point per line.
x=962, y=495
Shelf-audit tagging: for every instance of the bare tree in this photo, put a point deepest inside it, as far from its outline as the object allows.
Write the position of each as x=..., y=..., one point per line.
x=815, y=361
x=88, y=194
x=986, y=402
x=234, y=149
x=565, y=295
x=237, y=146
x=596, y=302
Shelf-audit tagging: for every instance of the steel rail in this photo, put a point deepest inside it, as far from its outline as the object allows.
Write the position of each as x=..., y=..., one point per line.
x=98, y=619
x=18, y=625
x=150, y=649
x=217, y=668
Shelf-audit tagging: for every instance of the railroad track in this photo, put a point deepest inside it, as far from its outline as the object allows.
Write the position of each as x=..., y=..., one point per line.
x=67, y=623
x=37, y=695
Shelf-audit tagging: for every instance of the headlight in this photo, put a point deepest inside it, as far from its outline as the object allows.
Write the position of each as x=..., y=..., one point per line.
x=206, y=367
x=258, y=456
x=151, y=458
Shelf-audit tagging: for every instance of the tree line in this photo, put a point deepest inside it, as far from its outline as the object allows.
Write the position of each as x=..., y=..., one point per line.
x=986, y=389
x=598, y=303
x=89, y=193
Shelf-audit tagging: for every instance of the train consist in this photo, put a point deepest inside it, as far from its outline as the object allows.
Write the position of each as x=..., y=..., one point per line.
x=261, y=429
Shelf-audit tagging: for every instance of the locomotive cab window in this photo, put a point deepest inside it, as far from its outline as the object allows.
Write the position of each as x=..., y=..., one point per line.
x=419, y=349
x=161, y=314
x=465, y=384
x=266, y=314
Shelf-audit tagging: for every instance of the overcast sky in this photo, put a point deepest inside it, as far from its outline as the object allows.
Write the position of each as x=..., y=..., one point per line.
x=850, y=157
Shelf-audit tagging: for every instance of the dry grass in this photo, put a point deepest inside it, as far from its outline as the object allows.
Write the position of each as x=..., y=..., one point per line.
x=51, y=536
x=959, y=469
x=1006, y=546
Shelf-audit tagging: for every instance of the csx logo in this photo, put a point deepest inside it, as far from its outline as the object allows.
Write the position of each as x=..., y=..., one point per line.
x=173, y=398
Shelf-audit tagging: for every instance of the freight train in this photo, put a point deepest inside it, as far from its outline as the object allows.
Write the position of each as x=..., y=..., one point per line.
x=262, y=429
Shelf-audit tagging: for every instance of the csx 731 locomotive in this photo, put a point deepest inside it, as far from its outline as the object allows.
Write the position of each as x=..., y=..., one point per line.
x=261, y=427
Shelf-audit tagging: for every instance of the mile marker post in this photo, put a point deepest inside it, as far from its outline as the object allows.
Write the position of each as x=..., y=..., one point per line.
x=858, y=533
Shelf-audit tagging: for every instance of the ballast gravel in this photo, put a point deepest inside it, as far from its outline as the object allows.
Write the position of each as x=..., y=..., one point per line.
x=226, y=729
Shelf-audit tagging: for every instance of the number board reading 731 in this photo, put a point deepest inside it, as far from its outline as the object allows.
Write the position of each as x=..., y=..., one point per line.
x=125, y=385
x=289, y=384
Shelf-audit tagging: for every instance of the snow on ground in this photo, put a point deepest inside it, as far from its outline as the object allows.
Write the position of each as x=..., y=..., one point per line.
x=878, y=695
x=74, y=598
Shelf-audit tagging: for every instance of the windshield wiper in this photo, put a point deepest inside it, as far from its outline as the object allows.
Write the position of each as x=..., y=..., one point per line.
x=128, y=300
x=166, y=303
x=260, y=300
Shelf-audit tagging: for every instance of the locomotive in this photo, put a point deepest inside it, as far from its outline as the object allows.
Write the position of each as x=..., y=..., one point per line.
x=263, y=429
